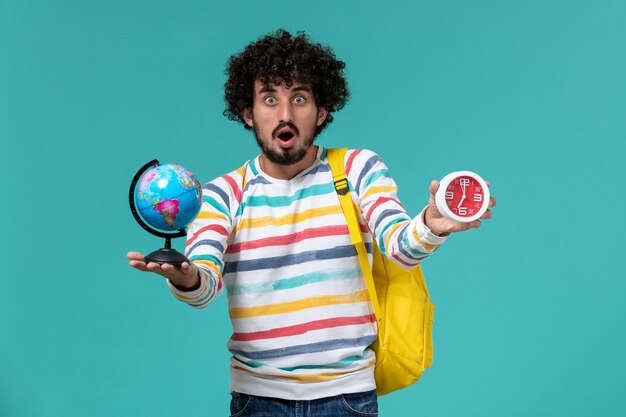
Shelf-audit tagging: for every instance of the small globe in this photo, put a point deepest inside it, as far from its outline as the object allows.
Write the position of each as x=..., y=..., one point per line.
x=168, y=197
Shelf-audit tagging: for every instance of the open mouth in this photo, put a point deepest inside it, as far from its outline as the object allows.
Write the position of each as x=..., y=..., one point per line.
x=286, y=135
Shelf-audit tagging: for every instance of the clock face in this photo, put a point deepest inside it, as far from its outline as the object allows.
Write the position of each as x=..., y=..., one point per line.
x=462, y=196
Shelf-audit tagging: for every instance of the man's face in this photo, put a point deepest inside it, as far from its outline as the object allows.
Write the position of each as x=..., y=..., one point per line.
x=284, y=120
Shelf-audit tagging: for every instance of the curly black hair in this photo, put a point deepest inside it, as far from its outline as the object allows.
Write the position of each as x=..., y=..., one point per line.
x=282, y=58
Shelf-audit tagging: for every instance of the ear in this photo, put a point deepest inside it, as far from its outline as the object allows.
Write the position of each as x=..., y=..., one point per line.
x=247, y=117
x=321, y=115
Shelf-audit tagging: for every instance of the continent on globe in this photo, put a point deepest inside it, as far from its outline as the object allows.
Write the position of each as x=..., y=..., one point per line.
x=169, y=210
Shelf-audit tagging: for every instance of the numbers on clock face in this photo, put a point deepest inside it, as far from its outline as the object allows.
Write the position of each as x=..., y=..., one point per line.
x=464, y=196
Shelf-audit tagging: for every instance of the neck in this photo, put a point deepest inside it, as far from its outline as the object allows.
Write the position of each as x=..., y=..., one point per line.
x=287, y=172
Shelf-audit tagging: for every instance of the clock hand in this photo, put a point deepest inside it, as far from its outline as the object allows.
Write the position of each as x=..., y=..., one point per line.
x=463, y=196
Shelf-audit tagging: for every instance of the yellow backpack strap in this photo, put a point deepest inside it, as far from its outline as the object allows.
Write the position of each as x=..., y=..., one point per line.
x=335, y=160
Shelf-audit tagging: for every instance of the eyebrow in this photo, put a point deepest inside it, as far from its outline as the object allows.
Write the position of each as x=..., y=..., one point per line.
x=270, y=88
x=267, y=89
x=302, y=88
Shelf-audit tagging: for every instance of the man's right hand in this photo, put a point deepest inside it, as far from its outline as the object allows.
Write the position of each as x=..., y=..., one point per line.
x=186, y=277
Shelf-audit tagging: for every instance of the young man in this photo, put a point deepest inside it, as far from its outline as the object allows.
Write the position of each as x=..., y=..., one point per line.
x=280, y=245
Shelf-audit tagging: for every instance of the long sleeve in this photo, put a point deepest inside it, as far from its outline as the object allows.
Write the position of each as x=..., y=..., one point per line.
x=404, y=240
x=207, y=238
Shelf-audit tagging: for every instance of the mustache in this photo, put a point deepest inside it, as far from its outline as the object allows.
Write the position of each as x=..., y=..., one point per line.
x=285, y=124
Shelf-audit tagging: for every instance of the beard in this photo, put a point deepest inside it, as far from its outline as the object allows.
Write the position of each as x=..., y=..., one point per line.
x=285, y=156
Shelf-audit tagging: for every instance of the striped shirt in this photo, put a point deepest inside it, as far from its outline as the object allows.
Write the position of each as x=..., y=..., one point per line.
x=299, y=306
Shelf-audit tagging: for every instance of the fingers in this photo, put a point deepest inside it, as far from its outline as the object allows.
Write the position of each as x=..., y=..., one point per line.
x=184, y=268
x=138, y=265
x=492, y=202
x=165, y=270
x=158, y=268
x=136, y=261
x=488, y=213
x=134, y=256
x=475, y=224
x=173, y=273
x=462, y=227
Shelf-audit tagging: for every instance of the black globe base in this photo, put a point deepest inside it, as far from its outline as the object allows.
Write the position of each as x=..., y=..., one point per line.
x=167, y=256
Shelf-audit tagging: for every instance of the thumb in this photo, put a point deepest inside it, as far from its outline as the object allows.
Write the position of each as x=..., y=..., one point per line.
x=434, y=186
x=185, y=268
x=432, y=204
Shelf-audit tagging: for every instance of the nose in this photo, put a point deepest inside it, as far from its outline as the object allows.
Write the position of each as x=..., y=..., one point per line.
x=286, y=112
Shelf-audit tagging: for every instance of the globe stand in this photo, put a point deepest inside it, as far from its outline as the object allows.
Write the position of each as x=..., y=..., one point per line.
x=165, y=255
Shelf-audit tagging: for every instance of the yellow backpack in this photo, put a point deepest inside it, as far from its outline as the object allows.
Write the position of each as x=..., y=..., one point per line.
x=404, y=347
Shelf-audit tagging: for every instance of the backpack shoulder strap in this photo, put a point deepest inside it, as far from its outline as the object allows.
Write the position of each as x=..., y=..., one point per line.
x=336, y=161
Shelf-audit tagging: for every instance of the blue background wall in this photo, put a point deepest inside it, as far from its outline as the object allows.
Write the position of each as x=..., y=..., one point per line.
x=530, y=308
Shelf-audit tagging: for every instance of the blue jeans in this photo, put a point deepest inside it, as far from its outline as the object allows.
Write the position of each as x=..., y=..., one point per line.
x=362, y=404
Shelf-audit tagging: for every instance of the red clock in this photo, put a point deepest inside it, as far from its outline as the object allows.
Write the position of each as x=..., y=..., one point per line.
x=462, y=196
